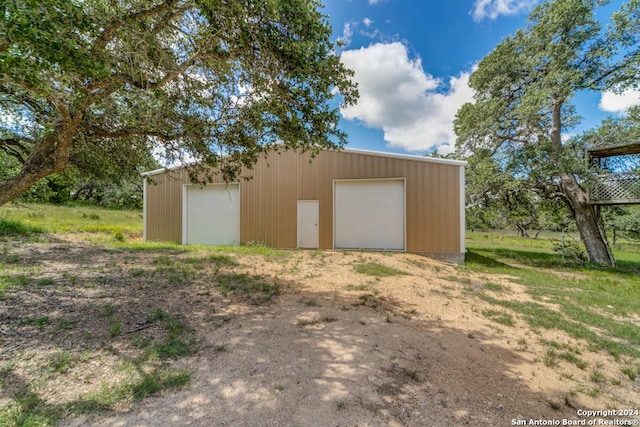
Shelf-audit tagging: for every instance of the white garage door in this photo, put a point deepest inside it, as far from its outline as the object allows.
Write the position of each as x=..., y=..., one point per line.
x=369, y=214
x=211, y=215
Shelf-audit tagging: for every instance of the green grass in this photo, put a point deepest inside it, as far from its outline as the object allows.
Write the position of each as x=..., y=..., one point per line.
x=252, y=288
x=499, y=316
x=377, y=270
x=60, y=362
x=587, y=301
x=14, y=227
x=26, y=219
x=29, y=409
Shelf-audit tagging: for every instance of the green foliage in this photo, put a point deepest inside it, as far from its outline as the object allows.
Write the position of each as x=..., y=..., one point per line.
x=569, y=249
x=101, y=85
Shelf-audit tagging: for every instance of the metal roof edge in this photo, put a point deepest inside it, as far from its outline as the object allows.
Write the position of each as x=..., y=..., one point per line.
x=349, y=150
x=162, y=170
x=406, y=156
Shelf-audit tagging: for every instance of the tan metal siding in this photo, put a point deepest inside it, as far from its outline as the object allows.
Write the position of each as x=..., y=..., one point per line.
x=269, y=200
x=164, y=206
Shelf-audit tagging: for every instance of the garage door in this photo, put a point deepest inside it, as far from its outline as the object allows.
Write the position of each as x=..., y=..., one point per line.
x=369, y=214
x=211, y=215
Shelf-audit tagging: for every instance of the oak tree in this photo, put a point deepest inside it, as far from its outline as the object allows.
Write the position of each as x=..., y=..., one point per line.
x=103, y=83
x=523, y=100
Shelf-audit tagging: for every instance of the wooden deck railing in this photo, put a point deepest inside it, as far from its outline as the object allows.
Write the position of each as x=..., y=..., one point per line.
x=614, y=189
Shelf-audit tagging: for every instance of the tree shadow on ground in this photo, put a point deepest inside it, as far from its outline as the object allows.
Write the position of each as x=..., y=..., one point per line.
x=299, y=357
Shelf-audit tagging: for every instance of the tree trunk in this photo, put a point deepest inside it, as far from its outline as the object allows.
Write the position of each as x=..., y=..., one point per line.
x=50, y=155
x=587, y=220
x=586, y=216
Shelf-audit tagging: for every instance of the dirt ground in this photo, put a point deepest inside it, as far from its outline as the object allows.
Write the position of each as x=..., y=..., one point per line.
x=334, y=348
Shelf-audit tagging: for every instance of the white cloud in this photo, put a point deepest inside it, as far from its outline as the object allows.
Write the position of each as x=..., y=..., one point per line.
x=347, y=32
x=397, y=96
x=367, y=22
x=375, y=1
x=493, y=8
x=619, y=102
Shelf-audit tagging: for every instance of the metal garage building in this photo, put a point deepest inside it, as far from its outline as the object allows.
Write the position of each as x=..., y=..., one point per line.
x=348, y=199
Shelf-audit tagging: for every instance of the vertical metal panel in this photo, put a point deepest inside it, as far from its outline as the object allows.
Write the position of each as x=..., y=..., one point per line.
x=269, y=200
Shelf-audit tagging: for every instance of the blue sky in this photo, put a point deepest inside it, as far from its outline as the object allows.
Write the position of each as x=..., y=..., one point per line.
x=412, y=60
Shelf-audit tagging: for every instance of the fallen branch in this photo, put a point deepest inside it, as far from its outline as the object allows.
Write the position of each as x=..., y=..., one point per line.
x=139, y=328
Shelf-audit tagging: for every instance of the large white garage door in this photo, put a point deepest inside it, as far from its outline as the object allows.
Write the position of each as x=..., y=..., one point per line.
x=369, y=214
x=211, y=215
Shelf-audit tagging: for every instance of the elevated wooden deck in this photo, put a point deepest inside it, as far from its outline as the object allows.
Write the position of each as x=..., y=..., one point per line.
x=615, y=189
x=614, y=150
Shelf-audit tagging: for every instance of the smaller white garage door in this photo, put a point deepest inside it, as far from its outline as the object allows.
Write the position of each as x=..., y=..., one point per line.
x=369, y=214
x=211, y=215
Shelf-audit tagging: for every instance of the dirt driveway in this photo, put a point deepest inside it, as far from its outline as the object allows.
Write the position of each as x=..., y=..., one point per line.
x=318, y=343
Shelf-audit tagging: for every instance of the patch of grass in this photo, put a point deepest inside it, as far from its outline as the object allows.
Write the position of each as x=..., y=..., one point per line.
x=41, y=322
x=59, y=362
x=566, y=352
x=418, y=263
x=631, y=371
x=15, y=227
x=495, y=287
x=116, y=327
x=140, y=341
x=176, y=343
x=361, y=287
x=253, y=288
x=30, y=218
x=12, y=259
x=588, y=302
x=65, y=323
x=499, y=316
x=27, y=410
x=411, y=374
x=137, y=272
x=8, y=282
x=170, y=348
x=550, y=358
x=215, y=259
x=378, y=270
x=144, y=385
x=45, y=282
x=522, y=344
x=554, y=405
x=458, y=279
x=597, y=376
x=372, y=300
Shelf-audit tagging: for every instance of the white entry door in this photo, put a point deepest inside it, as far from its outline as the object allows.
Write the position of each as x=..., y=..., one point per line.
x=308, y=219
x=211, y=214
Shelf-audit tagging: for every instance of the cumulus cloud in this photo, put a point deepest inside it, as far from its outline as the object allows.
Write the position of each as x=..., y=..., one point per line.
x=619, y=102
x=493, y=8
x=414, y=109
x=367, y=22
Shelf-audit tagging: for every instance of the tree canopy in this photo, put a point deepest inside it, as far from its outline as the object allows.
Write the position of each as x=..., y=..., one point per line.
x=101, y=84
x=523, y=93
